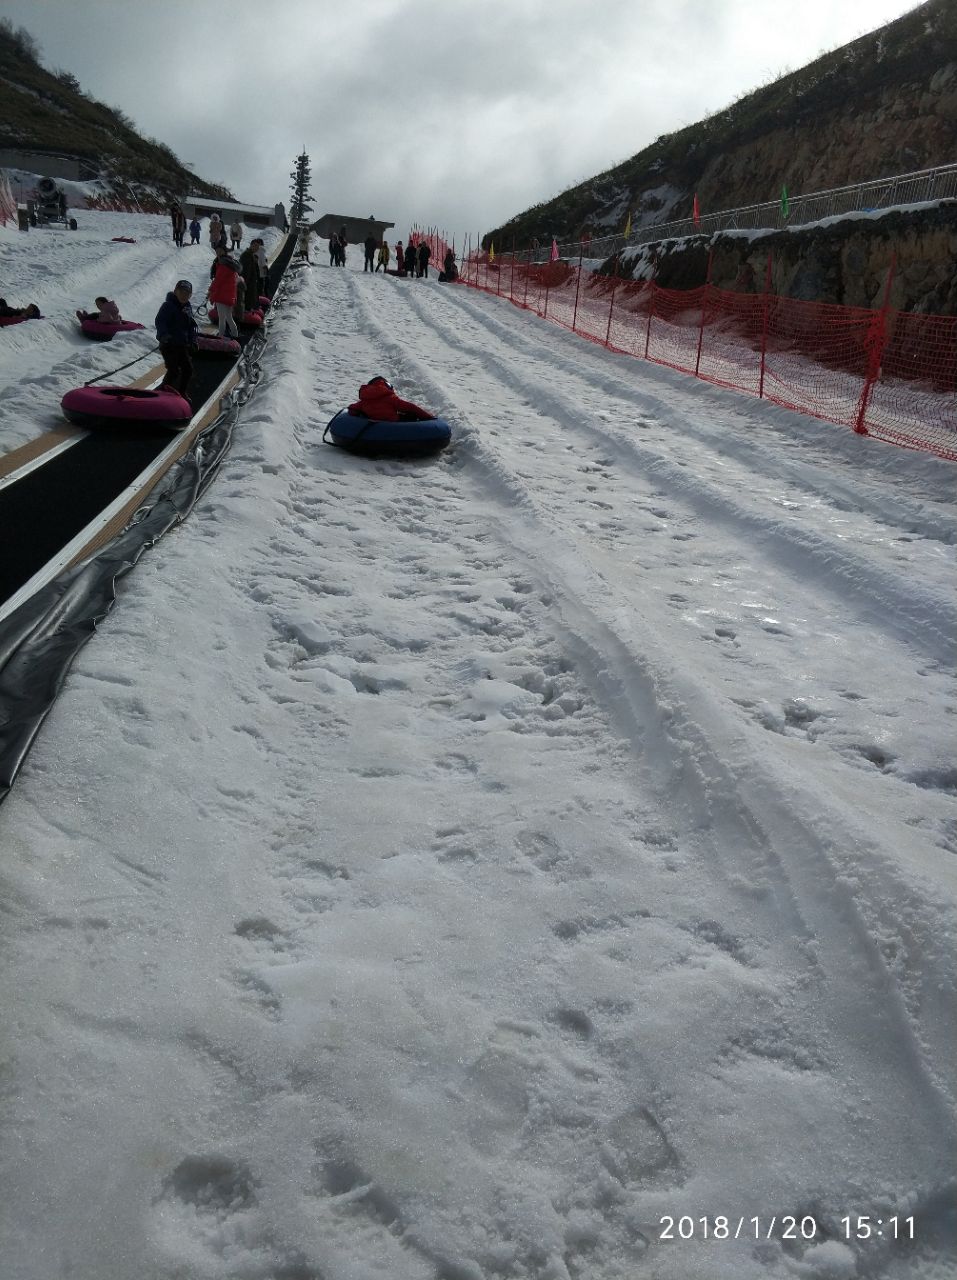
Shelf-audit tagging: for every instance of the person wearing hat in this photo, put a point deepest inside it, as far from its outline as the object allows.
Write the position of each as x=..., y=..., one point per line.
x=176, y=334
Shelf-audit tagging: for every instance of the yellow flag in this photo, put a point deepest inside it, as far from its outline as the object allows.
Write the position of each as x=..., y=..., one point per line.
x=628, y=225
x=491, y=253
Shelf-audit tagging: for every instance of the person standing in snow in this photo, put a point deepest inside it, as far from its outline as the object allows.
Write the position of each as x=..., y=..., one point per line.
x=424, y=254
x=250, y=268
x=222, y=291
x=333, y=249
x=304, y=237
x=176, y=335
x=235, y=235
x=410, y=259
x=194, y=231
x=215, y=231
x=370, y=247
x=399, y=259
x=260, y=248
x=383, y=257
x=178, y=219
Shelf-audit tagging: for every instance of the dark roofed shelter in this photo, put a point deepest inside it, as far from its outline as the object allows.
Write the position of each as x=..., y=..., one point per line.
x=356, y=228
x=253, y=215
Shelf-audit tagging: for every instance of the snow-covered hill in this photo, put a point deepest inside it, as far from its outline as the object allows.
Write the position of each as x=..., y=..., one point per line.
x=464, y=868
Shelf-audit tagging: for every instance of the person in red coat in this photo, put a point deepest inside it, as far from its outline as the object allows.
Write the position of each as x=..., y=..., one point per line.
x=222, y=291
x=378, y=400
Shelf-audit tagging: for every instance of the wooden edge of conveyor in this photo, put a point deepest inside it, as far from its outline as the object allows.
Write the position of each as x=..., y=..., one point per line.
x=150, y=478
x=19, y=457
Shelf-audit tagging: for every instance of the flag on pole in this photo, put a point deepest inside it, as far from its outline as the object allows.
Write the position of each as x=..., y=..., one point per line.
x=553, y=256
x=696, y=211
x=785, y=207
x=628, y=225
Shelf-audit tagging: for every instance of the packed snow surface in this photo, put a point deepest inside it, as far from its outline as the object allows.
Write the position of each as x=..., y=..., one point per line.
x=460, y=869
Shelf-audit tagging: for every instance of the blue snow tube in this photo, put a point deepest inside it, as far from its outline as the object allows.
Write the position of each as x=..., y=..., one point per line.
x=372, y=438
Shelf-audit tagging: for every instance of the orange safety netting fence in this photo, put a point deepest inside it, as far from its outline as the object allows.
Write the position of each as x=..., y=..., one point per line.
x=885, y=373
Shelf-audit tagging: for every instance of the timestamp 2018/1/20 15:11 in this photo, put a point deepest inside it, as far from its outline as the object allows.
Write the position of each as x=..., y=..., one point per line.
x=863, y=1227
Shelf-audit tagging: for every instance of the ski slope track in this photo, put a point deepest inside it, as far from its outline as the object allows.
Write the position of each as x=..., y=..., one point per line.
x=454, y=869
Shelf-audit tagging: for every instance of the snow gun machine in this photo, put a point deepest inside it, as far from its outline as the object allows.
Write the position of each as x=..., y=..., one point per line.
x=48, y=205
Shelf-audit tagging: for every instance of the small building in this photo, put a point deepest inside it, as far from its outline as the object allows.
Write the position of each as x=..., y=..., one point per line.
x=49, y=164
x=253, y=215
x=356, y=228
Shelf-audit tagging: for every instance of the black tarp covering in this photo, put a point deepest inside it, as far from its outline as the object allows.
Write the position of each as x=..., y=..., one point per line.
x=40, y=640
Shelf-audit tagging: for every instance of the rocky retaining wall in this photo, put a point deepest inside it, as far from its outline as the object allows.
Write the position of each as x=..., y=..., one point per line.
x=844, y=260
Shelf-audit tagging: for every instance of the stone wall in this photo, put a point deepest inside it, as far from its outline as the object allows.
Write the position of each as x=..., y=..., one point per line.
x=845, y=261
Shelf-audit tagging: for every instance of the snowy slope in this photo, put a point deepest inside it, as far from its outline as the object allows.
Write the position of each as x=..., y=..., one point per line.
x=451, y=869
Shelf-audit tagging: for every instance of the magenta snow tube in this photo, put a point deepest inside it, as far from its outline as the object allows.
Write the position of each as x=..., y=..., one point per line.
x=210, y=345
x=126, y=408
x=264, y=302
x=102, y=330
x=14, y=319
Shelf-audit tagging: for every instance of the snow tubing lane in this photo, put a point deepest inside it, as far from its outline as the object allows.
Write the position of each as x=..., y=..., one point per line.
x=39, y=641
x=130, y=408
x=373, y=438
x=102, y=332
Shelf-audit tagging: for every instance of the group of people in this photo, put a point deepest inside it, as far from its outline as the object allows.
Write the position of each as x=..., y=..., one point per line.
x=338, y=243
x=234, y=288
x=413, y=260
x=217, y=229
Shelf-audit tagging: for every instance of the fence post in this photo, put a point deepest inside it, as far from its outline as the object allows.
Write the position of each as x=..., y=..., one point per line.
x=511, y=279
x=876, y=340
x=704, y=299
x=651, y=311
x=528, y=272
x=548, y=285
x=611, y=307
x=578, y=285
x=765, y=308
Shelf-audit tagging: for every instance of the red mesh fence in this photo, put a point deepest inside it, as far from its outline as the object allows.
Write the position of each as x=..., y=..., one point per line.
x=885, y=373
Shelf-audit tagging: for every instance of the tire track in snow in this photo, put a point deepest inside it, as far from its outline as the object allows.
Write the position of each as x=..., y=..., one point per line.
x=926, y=621
x=807, y=877
x=827, y=448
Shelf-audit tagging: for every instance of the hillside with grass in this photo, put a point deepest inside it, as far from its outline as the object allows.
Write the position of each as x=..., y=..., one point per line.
x=49, y=112
x=884, y=104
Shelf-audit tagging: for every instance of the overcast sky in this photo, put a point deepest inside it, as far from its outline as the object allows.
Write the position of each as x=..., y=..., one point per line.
x=454, y=113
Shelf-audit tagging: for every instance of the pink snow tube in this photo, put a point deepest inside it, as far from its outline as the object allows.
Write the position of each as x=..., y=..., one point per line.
x=103, y=331
x=207, y=345
x=126, y=407
x=264, y=302
x=4, y=320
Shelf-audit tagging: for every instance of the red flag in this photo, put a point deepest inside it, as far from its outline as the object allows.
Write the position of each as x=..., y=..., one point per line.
x=695, y=211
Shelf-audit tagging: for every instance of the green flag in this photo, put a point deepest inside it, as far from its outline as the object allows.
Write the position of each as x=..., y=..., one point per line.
x=785, y=209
